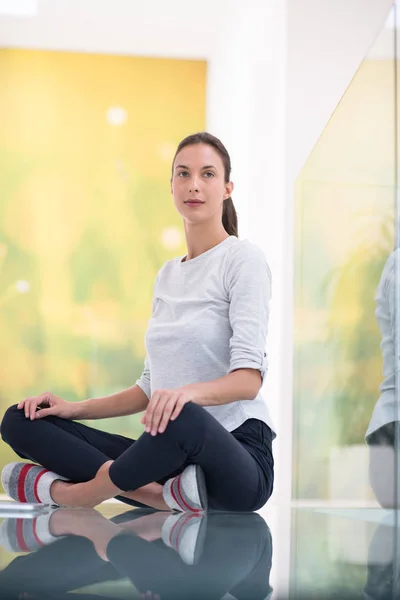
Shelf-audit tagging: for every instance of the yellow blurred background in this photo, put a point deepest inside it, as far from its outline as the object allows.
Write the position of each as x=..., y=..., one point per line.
x=86, y=215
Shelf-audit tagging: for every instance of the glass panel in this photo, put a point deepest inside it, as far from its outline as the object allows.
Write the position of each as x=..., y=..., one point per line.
x=396, y=543
x=345, y=232
x=347, y=351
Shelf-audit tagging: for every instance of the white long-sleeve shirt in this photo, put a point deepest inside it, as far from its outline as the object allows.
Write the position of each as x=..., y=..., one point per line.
x=209, y=318
x=387, y=408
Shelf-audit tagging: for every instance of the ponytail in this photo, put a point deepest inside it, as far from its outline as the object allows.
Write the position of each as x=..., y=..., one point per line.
x=229, y=218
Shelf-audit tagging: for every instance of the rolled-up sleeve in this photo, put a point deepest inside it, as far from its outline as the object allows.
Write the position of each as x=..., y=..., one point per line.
x=248, y=282
x=144, y=381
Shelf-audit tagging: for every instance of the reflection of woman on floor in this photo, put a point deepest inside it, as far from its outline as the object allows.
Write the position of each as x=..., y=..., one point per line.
x=208, y=436
x=172, y=556
x=383, y=431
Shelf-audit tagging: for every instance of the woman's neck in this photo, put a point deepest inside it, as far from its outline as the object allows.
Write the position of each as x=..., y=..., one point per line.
x=198, y=243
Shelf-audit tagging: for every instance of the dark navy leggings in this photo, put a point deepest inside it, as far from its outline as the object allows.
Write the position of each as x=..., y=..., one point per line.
x=238, y=465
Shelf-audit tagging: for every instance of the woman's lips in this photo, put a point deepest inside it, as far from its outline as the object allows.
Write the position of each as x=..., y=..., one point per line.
x=194, y=203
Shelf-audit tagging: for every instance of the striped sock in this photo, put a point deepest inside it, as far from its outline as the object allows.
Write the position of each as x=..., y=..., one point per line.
x=26, y=534
x=185, y=533
x=25, y=482
x=187, y=492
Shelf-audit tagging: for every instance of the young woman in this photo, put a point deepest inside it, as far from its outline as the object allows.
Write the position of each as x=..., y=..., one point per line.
x=208, y=437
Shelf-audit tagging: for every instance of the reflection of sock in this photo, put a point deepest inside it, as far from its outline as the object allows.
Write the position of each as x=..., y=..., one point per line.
x=26, y=535
x=26, y=482
x=187, y=492
x=185, y=534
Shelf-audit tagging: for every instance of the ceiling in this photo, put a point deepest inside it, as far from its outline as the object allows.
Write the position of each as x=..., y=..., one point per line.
x=173, y=28
x=170, y=28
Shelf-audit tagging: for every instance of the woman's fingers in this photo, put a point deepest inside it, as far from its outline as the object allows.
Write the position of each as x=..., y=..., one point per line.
x=148, y=416
x=178, y=407
x=29, y=405
x=33, y=407
x=44, y=412
x=164, y=406
x=23, y=402
x=158, y=412
x=168, y=409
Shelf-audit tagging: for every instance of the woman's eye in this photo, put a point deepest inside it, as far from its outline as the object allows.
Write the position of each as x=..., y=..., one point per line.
x=209, y=173
x=182, y=173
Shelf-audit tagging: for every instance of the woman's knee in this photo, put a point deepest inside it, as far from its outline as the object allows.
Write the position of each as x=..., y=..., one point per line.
x=190, y=415
x=188, y=425
x=191, y=411
x=10, y=423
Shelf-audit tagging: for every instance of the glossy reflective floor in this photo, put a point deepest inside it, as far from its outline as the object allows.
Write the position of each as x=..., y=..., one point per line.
x=119, y=553
x=344, y=553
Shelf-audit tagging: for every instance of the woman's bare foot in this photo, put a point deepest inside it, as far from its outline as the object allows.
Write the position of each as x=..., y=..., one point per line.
x=150, y=495
x=92, y=493
x=88, y=494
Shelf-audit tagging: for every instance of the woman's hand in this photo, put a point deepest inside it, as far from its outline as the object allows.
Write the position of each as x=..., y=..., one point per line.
x=37, y=407
x=165, y=406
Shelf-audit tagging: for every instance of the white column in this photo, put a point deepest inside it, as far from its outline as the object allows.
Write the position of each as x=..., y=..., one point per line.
x=246, y=109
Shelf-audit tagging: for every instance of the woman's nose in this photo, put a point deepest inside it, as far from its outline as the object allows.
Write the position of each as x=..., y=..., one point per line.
x=194, y=185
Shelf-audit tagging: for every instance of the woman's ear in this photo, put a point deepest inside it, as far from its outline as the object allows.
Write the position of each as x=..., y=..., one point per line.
x=229, y=187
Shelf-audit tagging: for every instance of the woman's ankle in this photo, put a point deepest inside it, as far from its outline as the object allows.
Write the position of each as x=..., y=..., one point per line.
x=58, y=491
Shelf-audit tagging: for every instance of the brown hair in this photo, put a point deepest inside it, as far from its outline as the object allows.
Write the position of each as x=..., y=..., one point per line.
x=229, y=215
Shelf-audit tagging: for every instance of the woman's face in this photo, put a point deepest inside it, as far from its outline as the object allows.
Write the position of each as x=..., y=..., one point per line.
x=198, y=175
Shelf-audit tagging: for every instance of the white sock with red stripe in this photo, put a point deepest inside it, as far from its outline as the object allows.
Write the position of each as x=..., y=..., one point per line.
x=185, y=533
x=187, y=492
x=26, y=534
x=26, y=482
